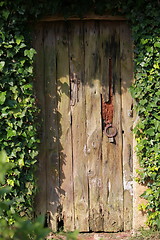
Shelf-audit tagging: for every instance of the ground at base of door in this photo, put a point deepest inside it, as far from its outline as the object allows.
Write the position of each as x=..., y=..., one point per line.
x=94, y=236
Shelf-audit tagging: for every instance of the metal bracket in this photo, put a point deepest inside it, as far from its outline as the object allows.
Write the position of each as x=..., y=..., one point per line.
x=74, y=87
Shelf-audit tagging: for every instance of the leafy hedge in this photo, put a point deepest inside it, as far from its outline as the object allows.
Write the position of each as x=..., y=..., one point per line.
x=146, y=91
x=22, y=228
x=17, y=103
x=18, y=135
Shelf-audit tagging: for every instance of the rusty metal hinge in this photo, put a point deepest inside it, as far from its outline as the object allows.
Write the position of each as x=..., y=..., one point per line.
x=74, y=87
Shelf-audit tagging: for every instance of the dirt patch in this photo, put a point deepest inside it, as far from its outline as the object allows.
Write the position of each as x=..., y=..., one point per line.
x=92, y=236
x=104, y=236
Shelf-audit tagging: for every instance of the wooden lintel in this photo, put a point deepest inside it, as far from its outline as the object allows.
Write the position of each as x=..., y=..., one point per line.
x=88, y=17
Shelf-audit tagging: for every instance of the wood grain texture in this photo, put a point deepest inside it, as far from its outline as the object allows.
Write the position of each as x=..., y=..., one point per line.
x=40, y=200
x=112, y=152
x=104, y=53
x=51, y=144
x=64, y=118
x=127, y=122
x=93, y=124
x=90, y=16
x=78, y=111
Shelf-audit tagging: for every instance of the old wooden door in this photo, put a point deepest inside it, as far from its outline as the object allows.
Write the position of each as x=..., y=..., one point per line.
x=83, y=71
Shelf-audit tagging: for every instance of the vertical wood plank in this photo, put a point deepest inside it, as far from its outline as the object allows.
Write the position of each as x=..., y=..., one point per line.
x=40, y=200
x=93, y=124
x=112, y=152
x=51, y=126
x=138, y=189
x=76, y=54
x=64, y=113
x=103, y=48
x=127, y=122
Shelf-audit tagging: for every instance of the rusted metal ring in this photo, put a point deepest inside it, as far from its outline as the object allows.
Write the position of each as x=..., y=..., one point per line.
x=114, y=132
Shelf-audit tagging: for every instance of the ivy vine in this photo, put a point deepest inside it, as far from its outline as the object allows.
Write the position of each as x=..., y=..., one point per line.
x=146, y=92
x=18, y=134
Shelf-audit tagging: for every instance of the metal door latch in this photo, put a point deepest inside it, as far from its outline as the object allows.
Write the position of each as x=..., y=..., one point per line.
x=110, y=131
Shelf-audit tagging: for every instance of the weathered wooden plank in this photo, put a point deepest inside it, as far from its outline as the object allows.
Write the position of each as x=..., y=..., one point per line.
x=51, y=126
x=89, y=16
x=93, y=123
x=40, y=200
x=127, y=121
x=64, y=118
x=139, y=217
x=112, y=152
x=76, y=55
x=104, y=53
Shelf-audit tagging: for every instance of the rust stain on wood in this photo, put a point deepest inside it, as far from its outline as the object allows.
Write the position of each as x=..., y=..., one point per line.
x=112, y=153
x=107, y=107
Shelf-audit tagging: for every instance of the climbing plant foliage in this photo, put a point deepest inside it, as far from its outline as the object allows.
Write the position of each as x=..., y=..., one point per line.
x=22, y=228
x=18, y=135
x=146, y=92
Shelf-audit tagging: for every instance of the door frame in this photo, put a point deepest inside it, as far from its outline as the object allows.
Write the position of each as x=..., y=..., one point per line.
x=127, y=123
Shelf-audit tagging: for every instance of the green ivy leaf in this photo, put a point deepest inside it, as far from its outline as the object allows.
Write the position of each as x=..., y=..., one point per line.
x=10, y=182
x=21, y=162
x=1, y=4
x=157, y=116
x=157, y=44
x=2, y=63
x=19, y=39
x=5, y=14
x=11, y=133
x=29, y=53
x=2, y=97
